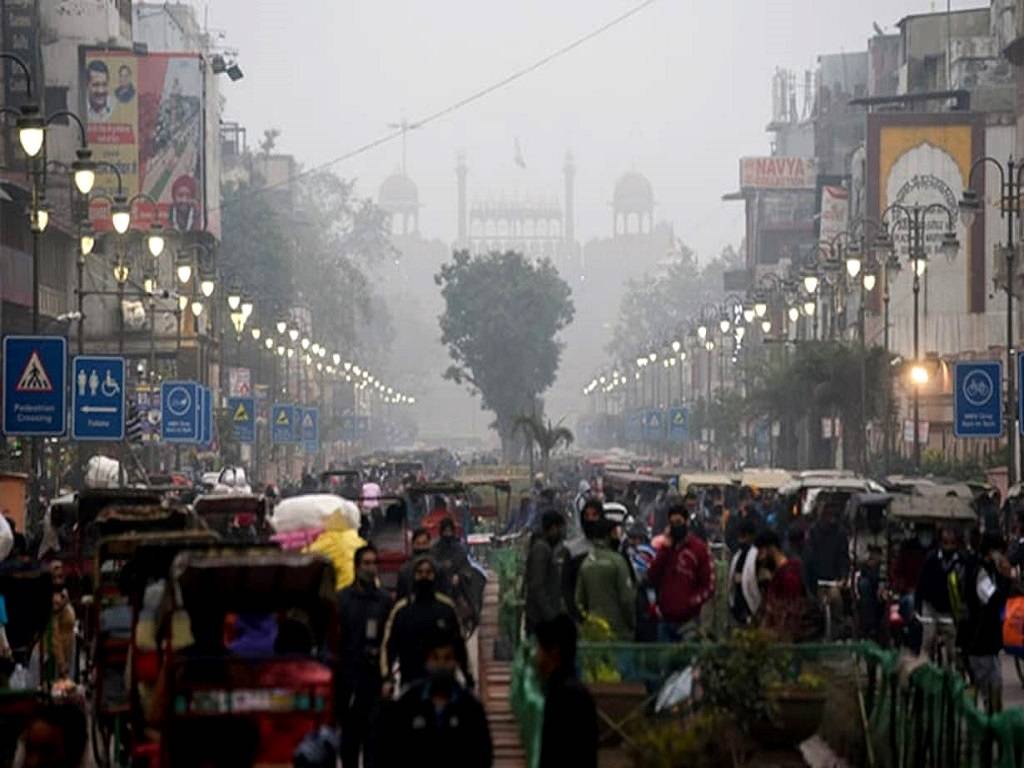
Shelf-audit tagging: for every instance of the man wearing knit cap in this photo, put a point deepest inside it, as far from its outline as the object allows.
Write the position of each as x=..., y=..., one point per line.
x=412, y=620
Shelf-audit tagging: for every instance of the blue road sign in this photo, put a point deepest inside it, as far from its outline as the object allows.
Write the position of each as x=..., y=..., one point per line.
x=978, y=401
x=243, y=418
x=35, y=391
x=634, y=427
x=362, y=426
x=282, y=423
x=311, y=429
x=205, y=416
x=653, y=424
x=97, y=398
x=678, y=425
x=179, y=411
x=348, y=427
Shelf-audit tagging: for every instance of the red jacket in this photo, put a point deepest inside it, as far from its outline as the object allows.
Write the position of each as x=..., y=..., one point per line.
x=683, y=578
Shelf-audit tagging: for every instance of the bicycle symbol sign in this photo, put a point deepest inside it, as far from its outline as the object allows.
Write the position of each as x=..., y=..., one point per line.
x=977, y=387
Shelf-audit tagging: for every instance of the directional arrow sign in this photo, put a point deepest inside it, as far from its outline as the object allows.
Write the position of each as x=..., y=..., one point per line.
x=97, y=398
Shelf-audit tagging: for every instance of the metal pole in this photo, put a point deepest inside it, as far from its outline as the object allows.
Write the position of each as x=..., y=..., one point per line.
x=178, y=317
x=1011, y=406
x=887, y=416
x=863, y=383
x=916, y=236
x=122, y=472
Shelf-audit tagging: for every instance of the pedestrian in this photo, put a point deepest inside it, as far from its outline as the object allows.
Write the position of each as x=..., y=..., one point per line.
x=934, y=599
x=605, y=588
x=744, y=593
x=420, y=546
x=985, y=590
x=747, y=510
x=785, y=596
x=577, y=549
x=569, y=730
x=544, y=572
x=411, y=620
x=827, y=558
x=363, y=610
x=869, y=595
x=682, y=576
x=450, y=555
x=436, y=723
x=55, y=737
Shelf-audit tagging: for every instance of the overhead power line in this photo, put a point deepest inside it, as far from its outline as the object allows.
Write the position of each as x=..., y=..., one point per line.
x=477, y=95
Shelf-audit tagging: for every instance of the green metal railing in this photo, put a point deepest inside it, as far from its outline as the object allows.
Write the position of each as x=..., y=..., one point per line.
x=508, y=563
x=930, y=720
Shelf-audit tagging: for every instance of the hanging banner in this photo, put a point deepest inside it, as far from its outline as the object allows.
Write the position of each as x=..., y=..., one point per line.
x=835, y=206
x=144, y=115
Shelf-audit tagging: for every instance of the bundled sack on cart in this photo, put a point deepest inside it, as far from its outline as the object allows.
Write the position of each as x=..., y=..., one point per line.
x=330, y=526
x=1013, y=626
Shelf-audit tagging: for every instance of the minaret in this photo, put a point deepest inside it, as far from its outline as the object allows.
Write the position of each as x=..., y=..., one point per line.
x=569, y=229
x=461, y=170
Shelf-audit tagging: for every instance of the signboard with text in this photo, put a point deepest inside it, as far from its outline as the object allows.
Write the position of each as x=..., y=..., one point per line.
x=978, y=399
x=778, y=172
x=98, y=398
x=35, y=386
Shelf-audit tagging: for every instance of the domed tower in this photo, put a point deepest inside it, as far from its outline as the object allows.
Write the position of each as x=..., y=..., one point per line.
x=400, y=197
x=633, y=205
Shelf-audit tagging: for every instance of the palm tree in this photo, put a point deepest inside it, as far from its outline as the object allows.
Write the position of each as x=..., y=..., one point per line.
x=547, y=436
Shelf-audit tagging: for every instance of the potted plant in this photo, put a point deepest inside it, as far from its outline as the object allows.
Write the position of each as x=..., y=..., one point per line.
x=603, y=669
x=750, y=677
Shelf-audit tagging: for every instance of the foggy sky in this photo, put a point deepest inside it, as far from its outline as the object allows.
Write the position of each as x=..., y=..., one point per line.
x=678, y=92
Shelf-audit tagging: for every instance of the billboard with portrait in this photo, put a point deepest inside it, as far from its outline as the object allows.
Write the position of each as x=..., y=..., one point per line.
x=144, y=115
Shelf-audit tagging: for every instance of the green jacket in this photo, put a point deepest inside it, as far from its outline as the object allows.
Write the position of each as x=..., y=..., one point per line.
x=605, y=589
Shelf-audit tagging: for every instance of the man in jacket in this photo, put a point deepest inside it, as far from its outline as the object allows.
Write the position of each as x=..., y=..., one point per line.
x=933, y=600
x=682, y=576
x=544, y=572
x=420, y=546
x=411, y=621
x=569, y=731
x=436, y=722
x=827, y=557
x=605, y=588
x=363, y=609
x=744, y=593
x=986, y=588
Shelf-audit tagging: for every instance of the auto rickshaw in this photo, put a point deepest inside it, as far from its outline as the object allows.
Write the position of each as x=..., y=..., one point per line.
x=125, y=565
x=236, y=517
x=255, y=708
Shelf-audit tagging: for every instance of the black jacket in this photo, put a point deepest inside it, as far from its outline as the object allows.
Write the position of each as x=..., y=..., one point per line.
x=413, y=732
x=569, y=732
x=933, y=585
x=827, y=555
x=407, y=631
x=983, y=635
x=362, y=616
x=543, y=583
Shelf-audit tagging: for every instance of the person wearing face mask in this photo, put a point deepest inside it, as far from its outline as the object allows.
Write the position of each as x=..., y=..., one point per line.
x=576, y=550
x=543, y=572
x=682, y=576
x=933, y=599
x=451, y=556
x=436, y=722
x=605, y=588
x=784, y=593
x=411, y=621
x=363, y=609
x=420, y=546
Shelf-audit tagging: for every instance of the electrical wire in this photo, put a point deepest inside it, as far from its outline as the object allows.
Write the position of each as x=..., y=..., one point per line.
x=433, y=117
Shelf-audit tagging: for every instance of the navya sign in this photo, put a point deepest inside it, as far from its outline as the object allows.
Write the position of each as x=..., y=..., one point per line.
x=778, y=173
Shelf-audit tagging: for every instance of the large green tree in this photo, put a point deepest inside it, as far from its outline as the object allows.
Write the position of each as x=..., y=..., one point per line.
x=502, y=316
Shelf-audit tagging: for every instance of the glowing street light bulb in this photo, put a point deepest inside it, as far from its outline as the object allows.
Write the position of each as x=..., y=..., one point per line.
x=919, y=375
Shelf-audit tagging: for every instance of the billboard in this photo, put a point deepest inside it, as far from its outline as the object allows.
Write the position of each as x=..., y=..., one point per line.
x=778, y=172
x=144, y=115
x=919, y=160
x=834, y=213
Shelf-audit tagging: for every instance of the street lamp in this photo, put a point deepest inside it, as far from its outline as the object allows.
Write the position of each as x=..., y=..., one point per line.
x=206, y=285
x=197, y=308
x=234, y=300
x=155, y=241
x=914, y=219
x=868, y=281
x=256, y=333
x=760, y=308
x=919, y=375
x=766, y=326
x=810, y=279
x=86, y=242
x=1010, y=209
x=247, y=307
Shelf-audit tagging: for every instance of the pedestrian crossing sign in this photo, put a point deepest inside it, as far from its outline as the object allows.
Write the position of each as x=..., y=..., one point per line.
x=33, y=378
x=241, y=414
x=282, y=418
